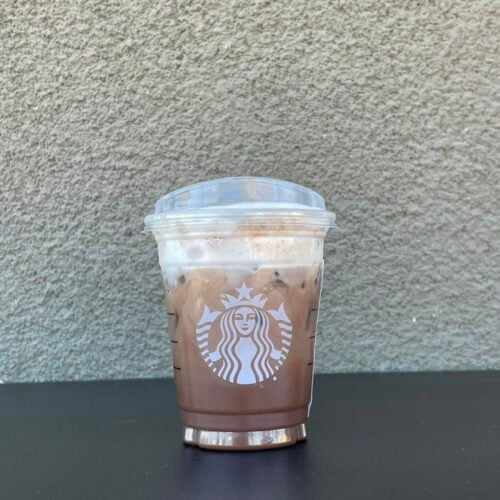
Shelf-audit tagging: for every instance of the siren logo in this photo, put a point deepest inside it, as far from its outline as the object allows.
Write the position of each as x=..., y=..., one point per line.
x=236, y=342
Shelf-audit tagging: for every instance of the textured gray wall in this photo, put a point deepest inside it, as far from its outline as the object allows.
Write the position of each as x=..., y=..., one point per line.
x=390, y=110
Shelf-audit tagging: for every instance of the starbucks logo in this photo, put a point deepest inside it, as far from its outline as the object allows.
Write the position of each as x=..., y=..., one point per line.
x=235, y=341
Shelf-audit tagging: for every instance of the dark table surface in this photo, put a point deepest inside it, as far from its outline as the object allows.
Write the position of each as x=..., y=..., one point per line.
x=385, y=436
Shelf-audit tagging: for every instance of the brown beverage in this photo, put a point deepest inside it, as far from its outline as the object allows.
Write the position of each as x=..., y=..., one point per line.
x=243, y=345
x=242, y=295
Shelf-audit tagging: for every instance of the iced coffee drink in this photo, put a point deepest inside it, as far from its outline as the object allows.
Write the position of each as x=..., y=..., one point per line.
x=242, y=284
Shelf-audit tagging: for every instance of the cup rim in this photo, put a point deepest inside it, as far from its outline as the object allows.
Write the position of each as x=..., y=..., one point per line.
x=224, y=216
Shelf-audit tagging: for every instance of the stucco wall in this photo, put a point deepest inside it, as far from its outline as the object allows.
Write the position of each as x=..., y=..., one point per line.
x=389, y=109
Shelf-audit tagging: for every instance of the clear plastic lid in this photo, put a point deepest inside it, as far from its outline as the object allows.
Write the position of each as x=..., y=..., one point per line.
x=244, y=200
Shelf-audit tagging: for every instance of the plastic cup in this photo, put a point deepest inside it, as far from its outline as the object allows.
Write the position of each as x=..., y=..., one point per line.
x=242, y=262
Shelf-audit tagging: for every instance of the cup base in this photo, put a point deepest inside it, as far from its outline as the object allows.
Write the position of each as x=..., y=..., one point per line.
x=246, y=440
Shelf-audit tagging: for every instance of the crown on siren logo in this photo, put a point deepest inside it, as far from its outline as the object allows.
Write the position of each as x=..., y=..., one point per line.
x=244, y=298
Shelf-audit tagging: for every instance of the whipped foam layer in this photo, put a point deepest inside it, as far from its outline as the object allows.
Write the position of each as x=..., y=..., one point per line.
x=236, y=251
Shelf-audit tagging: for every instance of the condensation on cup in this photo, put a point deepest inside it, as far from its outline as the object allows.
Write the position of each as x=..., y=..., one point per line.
x=242, y=262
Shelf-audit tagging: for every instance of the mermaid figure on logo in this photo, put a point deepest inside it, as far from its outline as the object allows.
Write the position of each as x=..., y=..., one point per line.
x=245, y=348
